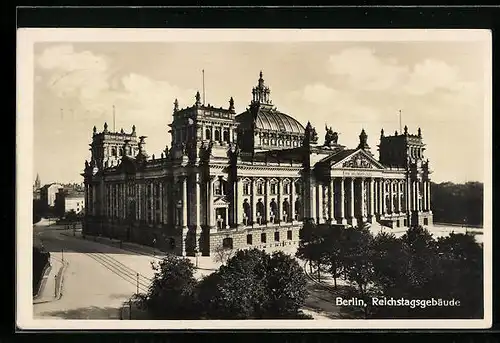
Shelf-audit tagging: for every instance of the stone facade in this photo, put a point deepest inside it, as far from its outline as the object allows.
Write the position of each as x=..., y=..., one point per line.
x=248, y=180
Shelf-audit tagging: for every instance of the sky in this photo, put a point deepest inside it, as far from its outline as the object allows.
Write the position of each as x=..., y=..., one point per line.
x=350, y=86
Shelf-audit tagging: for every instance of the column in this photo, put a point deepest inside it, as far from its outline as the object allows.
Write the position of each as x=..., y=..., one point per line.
x=292, y=200
x=408, y=196
x=254, y=202
x=372, y=198
x=239, y=201
x=184, y=202
x=210, y=204
x=313, y=203
x=382, y=198
x=331, y=201
x=351, y=200
x=197, y=212
x=429, y=209
x=266, y=202
x=391, y=196
x=419, y=206
x=399, y=193
x=413, y=196
x=319, y=198
x=280, y=201
x=362, y=198
x=342, y=200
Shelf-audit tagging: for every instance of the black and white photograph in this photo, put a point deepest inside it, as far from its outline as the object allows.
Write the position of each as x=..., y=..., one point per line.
x=204, y=179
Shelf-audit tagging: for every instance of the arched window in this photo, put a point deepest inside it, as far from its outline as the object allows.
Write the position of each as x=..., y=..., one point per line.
x=208, y=134
x=219, y=187
x=226, y=136
x=113, y=152
x=217, y=135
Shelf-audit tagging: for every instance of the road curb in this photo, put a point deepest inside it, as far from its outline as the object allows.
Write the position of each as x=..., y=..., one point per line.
x=43, y=280
x=60, y=273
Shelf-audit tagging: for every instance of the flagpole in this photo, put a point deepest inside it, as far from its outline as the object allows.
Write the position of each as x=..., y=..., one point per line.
x=400, y=127
x=203, y=72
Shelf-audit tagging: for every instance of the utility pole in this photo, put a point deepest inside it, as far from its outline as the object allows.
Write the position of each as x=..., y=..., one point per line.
x=137, y=283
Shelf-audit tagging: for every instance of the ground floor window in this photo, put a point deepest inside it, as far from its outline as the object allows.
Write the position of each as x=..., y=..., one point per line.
x=426, y=221
x=397, y=223
x=277, y=236
x=249, y=239
x=405, y=222
x=227, y=243
x=171, y=243
x=289, y=235
x=263, y=238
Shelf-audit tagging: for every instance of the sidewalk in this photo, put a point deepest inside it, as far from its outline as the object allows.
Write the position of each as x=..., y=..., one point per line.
x=132, y=247
x=50, y=288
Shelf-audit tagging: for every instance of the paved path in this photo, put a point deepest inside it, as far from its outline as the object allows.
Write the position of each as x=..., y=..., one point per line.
x=97, y=280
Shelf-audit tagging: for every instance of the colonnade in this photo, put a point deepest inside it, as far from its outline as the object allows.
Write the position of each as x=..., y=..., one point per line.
x=338, y=200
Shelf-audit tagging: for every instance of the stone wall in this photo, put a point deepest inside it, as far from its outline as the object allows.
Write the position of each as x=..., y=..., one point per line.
x=240, y=237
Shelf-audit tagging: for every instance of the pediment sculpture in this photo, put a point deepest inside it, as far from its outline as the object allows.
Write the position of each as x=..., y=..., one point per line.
x=358, y=161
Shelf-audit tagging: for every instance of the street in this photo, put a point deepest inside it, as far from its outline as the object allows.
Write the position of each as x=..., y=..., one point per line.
x=98, y=278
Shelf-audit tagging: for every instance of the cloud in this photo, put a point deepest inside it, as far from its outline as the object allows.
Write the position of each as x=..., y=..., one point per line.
x=319, y=93
x=363, y=70
x=432, y=75
x=366, y=71
x=93, y=87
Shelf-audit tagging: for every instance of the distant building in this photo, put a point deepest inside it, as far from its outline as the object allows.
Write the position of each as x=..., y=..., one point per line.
x=36, y=188
x=69, y=200
x=249, y=180
x=48, y=194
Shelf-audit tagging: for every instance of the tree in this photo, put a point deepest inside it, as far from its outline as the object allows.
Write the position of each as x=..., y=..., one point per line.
x=461, y=275
x=171, y=294
x=240, y=287
x=390, y=263
x=358, y=259
x=312, y=246
x=335, y=252
x=252, y=285
x=423, y=264
x=458, y=203
x=222, y=254
x=286, y=283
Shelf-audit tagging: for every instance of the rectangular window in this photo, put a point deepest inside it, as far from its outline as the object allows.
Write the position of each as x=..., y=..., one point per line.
x=246, y=189
x=405, y=222
x=249, y=239
x=397, y=223
x=426, y=221
x=289, y=235
x=276, y=236
x=263, y=238
x=260, y=189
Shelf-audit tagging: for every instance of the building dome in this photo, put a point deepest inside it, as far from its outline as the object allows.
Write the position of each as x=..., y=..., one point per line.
x=269, y=119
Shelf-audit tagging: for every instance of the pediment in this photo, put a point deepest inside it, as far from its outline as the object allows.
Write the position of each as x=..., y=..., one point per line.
x=359, y=159
x=221, y=201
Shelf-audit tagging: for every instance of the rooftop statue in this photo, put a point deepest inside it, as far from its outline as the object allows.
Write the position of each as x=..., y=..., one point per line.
x=331, y=137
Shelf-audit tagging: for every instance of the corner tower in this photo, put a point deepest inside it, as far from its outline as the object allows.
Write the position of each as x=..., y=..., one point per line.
x=107, y=147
